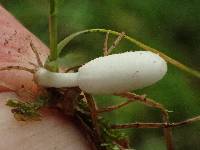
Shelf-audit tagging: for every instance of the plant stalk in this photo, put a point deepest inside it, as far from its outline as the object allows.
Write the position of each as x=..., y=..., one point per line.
x=155, y=125
x=53, y=30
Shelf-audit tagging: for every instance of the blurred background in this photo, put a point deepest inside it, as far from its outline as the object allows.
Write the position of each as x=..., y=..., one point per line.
x=173, y=26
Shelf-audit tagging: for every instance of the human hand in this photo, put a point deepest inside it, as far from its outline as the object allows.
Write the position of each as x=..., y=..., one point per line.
x=54, y=131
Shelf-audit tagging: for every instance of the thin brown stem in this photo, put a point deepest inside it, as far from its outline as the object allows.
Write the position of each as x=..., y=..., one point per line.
x=119, y=146
x=36, y=54
x=73, y=68
x=143, y=99
x=156, y=125
x=88, y=132
x=115, y=107
x=116, y=42
x=167, y=131
x=32, y=64
x=152, y=103
x=105, y=49
x=93, y=111
x=7, y=68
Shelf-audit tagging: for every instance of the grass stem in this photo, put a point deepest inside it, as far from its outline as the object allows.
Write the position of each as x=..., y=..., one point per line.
x=53, y=30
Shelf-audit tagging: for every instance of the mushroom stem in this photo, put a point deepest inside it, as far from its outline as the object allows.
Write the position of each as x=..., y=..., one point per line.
x=58, y=80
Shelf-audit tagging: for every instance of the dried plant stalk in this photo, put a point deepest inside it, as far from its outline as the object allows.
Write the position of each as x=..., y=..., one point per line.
x=7, y=68
x=114, y=107
x=36, y=54
x=93, y=111
x=106, y=50
x=152, y=103
x=156, y=125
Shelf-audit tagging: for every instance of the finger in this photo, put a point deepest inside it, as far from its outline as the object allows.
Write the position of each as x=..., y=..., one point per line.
x=52, y=132
x=15, y=50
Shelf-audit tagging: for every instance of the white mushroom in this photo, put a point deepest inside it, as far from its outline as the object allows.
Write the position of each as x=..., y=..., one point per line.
x=110, y=74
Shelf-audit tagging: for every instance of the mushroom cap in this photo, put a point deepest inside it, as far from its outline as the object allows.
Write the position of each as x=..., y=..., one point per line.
x=121, y=72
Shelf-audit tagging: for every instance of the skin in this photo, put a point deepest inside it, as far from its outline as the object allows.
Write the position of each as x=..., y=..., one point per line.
x=54, y=131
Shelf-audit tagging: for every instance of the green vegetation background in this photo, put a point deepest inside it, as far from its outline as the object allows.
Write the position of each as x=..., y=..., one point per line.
x=172, y=26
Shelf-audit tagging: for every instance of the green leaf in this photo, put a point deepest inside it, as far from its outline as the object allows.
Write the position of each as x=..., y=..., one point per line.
x=66, y=40
x=69, y=60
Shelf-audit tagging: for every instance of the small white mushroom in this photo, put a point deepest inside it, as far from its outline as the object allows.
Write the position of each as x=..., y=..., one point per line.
x=110, y=74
